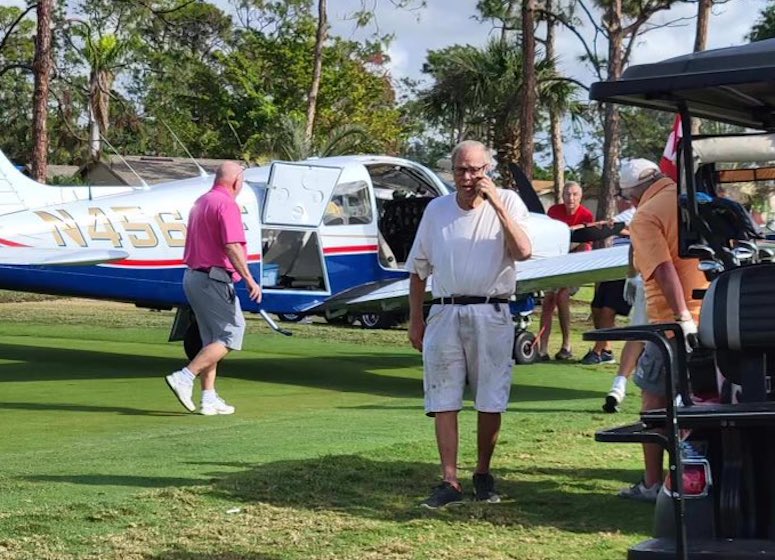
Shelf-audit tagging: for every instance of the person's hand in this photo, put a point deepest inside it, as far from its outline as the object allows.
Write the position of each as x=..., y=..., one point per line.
x=631, y=286
x=254, y=290
x=416, y=333
x=689, y=328
x=487, y=190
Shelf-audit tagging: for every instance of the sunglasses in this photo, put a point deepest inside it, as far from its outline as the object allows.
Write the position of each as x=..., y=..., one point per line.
x=462, y=170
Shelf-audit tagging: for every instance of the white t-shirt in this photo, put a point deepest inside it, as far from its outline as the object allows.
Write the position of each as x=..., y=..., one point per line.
x=465, y=250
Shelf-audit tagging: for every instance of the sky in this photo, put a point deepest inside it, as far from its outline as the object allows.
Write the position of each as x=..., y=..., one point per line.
x=447, y=22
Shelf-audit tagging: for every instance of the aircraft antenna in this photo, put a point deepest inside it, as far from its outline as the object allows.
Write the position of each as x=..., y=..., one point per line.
x=142, y=181
x=202, y=172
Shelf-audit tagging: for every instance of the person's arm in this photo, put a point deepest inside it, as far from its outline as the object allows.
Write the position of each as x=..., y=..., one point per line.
x=518, y=243
x=667, y=277
x=416, y=319
x=236, y=255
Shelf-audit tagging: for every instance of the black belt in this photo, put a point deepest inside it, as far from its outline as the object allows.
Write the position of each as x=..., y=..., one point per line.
x=205, y=270
x=468, y=300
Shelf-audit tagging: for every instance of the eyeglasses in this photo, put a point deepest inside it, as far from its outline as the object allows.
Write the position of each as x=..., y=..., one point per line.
x=472, y=170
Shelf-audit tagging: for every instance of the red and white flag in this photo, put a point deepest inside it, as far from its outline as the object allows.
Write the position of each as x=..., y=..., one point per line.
x=668, y=164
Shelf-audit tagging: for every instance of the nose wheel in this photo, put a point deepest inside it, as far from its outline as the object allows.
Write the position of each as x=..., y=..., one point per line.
x=525, y=347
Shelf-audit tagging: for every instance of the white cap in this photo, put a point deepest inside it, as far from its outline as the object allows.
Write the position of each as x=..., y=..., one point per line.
x=636, y=171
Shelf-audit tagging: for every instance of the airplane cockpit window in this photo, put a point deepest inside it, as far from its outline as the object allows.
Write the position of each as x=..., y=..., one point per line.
x=349, y=205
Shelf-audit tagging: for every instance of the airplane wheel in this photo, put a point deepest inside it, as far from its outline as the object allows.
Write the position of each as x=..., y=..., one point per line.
x=525, y=351
x=344, y=319
x=290, y=317
x=192, y=342
x=376, y=320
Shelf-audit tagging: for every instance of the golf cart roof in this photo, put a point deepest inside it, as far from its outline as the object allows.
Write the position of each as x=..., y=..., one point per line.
x=735, y=85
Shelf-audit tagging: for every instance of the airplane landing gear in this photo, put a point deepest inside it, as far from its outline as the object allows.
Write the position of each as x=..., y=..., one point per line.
x=525, y=350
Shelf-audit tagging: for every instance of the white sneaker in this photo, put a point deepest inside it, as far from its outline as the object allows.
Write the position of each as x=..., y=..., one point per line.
x=182, y=388
x=217, y=406
x=613, y=400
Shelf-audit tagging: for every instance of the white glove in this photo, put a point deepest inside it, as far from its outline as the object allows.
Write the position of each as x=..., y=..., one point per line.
x=689, y=327
x=631, y=286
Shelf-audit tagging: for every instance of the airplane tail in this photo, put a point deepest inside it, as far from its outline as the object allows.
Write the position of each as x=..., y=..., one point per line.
x=16, y=189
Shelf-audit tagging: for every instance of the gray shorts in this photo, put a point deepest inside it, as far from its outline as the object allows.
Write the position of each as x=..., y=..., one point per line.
x=467, y=342
x=217, y=309
x=650, y=372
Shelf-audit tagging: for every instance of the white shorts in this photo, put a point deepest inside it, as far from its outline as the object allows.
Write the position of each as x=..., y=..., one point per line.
x=638, y=315
x=471, y=342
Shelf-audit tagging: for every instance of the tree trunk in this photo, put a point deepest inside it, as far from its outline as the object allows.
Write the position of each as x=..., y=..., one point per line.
x=611, y=123
x=527, y=117
x=41, y=67
x=555, y=117
x=509, y=22
x=700, y=42
x=316, y=70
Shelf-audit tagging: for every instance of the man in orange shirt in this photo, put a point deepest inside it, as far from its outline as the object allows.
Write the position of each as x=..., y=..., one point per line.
x=669, y=282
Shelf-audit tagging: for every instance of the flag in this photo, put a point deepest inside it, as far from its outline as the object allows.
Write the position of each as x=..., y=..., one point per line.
x=668, y=164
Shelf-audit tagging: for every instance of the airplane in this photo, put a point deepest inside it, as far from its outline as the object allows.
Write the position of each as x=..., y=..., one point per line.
x=323, y=236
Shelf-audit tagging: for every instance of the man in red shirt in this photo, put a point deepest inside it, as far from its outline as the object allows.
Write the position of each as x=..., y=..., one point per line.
x=576, y=215
x=216, y=257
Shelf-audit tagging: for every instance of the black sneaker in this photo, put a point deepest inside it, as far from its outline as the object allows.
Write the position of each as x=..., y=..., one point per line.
x=591, y=358
x=484, y=488
x=607, y=357
x=443, y=495
x=563, y=355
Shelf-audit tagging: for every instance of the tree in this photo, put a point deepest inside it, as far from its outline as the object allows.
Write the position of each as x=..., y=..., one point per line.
x=480, y=91
x=41, y=66
x=527, y=111
x=317, y=64
x=764, y=28
x=623, y=22
x=555, y=113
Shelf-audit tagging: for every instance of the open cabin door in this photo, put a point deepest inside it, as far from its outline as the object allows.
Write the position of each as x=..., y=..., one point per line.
x=296, y=199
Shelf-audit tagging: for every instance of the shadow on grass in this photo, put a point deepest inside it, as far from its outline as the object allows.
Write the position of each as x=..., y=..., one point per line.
x=118, y=480
x=349, y=373
x=186, y=555
x=570, y=500
x=88, y=408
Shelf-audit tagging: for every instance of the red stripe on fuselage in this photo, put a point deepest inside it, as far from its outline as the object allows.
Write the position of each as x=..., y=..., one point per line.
x=350, y=249
x=167, y=262
x=8, y=243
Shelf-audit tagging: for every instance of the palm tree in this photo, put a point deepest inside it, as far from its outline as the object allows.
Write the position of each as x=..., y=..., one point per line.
x=291, y=142
x=480, y=91
x=105, y=55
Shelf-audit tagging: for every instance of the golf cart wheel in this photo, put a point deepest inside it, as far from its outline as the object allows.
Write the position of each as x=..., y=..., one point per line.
x=192, y=341
x=525, y=350
x=290, y=317
x=376, y=320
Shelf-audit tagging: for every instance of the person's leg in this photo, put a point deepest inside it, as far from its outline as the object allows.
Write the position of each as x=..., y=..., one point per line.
x=488, y=428
x=205, y=362
x=563, y=313
x=627, y=362
x=652, y=453
x=606, y=319
x=447, y=442
x=547, y=312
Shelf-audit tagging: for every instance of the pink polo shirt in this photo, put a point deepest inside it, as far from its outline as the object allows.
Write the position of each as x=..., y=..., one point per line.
x=214, y=221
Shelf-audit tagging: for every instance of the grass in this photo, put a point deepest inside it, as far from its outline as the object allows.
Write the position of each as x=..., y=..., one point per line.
x=327, y=456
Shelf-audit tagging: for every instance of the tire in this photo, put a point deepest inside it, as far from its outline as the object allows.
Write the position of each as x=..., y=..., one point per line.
x=192, y=341
x=525, y=351
x=290, y=317
x=377, y=320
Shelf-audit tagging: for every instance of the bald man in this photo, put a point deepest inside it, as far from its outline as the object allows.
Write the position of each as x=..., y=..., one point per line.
x=216, y=257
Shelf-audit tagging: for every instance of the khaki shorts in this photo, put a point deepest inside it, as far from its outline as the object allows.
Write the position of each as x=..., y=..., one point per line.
x=472, y=342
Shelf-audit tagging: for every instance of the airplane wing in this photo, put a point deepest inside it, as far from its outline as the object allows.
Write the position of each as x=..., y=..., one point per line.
x=574, y=269
x=34, y=256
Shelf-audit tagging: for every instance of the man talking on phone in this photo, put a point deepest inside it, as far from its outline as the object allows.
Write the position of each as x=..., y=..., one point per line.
x=469, y=241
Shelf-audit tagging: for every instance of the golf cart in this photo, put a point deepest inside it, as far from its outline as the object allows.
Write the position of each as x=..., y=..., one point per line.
x=719, y=425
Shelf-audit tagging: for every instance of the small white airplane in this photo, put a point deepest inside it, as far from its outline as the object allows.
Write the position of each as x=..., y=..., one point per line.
x=323, y=236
